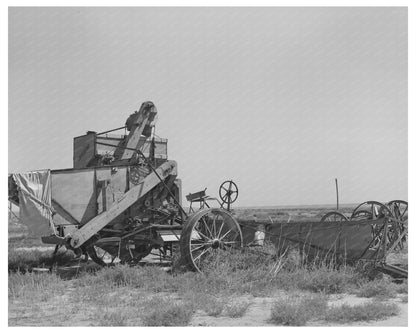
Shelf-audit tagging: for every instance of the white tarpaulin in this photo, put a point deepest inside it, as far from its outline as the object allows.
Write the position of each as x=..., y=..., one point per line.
x=35, y=201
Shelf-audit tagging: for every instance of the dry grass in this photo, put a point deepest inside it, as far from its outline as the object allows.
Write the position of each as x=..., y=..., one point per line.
x=297, y=310
x=212, y=305
x=113, y=317
x=103, y=294
x=382, y=289
x=33, y=286
x=373, y=310
x=402, y=288
x=167, y=312
x=25, y=261
x=236, y=309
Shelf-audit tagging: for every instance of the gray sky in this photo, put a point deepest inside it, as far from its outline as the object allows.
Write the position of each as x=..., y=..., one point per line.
x=281, y=100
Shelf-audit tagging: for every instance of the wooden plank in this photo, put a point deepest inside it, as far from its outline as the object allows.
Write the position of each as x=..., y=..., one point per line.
x=127, y=200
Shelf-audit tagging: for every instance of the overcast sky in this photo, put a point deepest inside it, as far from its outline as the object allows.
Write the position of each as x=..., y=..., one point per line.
x=281, y=100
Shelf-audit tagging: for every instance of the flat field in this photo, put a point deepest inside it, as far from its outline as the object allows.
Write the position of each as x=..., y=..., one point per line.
x=253, y=287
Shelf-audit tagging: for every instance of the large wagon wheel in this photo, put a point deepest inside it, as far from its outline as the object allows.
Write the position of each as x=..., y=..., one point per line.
x=372, y=210
x=362, y=215
x=207, y=237
x=399, y=209
x=334, y=216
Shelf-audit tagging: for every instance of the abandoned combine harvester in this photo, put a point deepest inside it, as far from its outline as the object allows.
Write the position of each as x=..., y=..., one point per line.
x=122, y=199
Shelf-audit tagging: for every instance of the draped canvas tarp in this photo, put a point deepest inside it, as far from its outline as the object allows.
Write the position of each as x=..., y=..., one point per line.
x=35, y=201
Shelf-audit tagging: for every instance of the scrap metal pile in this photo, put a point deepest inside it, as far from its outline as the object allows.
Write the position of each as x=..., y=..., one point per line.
x=121, y=201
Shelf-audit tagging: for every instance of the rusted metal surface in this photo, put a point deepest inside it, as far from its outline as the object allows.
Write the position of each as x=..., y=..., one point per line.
x=350, y=241
x=370, y=234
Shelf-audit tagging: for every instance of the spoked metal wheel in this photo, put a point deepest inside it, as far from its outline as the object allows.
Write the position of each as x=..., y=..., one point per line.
x=208, y=237
x=228, y=192
x=372, y=210
x=101, y=256
x=362, y=215
x=109, y=254
x=399, y=209
x=334, y=216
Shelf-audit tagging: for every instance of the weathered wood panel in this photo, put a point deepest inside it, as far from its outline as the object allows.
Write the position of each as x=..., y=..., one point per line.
x=111, y=185
x=126, y=201
x=74, y=191
x=84, y=150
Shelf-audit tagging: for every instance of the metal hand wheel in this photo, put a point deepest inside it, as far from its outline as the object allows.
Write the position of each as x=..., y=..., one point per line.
x=228, y=193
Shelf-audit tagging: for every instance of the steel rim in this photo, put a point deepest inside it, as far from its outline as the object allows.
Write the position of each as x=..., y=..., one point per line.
x=372, y=210
x=109, y=255
x=362, y=215
x=375, y=208
x=208, y=236
x=228, y=192
x=399, y=210
x=101, y=256
x=334, y=217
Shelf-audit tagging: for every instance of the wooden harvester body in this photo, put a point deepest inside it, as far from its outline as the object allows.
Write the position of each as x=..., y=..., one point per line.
x=120, y=184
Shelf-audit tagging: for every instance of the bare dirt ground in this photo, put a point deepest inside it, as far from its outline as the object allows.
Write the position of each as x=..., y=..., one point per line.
x=258, y=314
x=61, y=310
